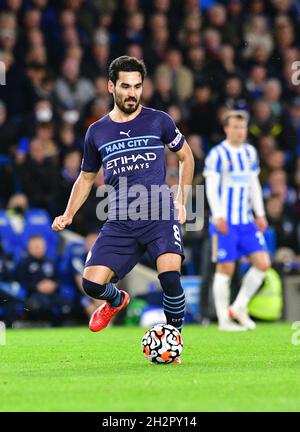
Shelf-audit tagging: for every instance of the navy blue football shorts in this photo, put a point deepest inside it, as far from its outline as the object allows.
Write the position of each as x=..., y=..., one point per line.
x=121, y=244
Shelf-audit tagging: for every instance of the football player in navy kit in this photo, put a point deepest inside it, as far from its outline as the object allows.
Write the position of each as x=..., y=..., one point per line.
x=129, y=142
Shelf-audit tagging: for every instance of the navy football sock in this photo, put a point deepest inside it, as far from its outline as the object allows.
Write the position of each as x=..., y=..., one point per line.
x=173, y=298
x=107, y=292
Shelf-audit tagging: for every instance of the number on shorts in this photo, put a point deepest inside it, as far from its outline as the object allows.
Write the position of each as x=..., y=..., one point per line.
x=177, y=235
x=260, y=238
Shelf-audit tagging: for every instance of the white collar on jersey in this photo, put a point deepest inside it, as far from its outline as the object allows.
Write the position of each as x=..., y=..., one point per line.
x=232, y=147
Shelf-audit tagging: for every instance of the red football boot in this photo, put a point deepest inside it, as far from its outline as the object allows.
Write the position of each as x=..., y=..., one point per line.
x=102, y=316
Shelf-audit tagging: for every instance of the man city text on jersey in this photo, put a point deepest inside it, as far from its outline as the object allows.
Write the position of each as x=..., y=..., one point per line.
x=133, y=149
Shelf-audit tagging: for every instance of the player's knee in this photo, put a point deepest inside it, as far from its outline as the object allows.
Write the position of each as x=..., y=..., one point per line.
x=93, y=289
x=225, y=268
x=170, y=283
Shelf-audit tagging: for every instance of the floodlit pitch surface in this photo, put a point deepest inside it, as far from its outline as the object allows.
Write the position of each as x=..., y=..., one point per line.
x=72, y=369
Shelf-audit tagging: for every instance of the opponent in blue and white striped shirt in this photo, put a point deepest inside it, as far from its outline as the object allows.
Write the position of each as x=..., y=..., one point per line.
x=234, y=192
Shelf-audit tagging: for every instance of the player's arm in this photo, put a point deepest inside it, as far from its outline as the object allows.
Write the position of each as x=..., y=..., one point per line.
x=212, y=184
x=80, y=191
x=91, y=164
x=186, y=173
x=258, y=203
x=212, y=173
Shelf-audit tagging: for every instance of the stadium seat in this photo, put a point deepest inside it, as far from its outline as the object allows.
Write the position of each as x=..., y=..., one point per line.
x=37, y=222
x=65, y=268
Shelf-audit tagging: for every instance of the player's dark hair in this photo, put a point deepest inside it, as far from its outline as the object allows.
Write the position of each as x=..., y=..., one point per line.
x=126, y=64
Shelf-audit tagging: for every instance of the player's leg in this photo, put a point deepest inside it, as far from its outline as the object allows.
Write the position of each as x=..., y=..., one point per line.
x=250, y=284
x=113, y=255
x=163, y=241
x=224, y=255
x=168, y=267
x=97, y=284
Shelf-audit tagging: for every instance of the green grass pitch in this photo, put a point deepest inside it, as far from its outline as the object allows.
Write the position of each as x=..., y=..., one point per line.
x=72, y=369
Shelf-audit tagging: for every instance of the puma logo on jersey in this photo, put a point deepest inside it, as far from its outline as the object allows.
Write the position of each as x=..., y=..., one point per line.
x=125, y=133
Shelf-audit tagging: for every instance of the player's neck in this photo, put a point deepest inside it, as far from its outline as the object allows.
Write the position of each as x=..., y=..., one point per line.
x=119, y=116
x=234, y=144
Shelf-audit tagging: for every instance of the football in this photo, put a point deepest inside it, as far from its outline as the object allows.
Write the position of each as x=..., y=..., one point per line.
x=162, y=344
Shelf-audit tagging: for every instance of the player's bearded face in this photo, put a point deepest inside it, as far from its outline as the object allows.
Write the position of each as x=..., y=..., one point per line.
x=127, y=103
x=128, y=91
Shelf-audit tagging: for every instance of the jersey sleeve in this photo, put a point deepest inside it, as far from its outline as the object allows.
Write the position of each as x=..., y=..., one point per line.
x=171, y=136
x=91, y=161
x=212, y=163
x=255, y=167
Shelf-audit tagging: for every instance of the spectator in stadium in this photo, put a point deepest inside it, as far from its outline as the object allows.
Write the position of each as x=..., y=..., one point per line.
x=234, y=96
x=234, y=17
x=98, y=109
x=227, y=60
x=275, y=160
x=100, y=56
x=12, y=295
x=294, y=120
x=8, y=135
x=134, y=30
x=272, y=95
x=256, y=81
x=278, y=187
x=71, y=89
x=38, y=275
x=42, y=112
x=197, y=63
x=38, y=176
x=67, y=140
x=178, y=74
x=202, y=118
x=16, y=209
x=45, y=132
x=163, y=95
x=284, y=33
x=212, y=43
x=257, y=33
x=282, y=219
x=157, y=45
x=101, y=88
x=68, y=175
x=264, y=123
x=8, y=31
x=266, y=146
x=217, y=18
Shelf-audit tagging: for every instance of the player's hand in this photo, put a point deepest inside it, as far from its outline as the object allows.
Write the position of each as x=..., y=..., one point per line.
x=60, y=222
x=262, y=223
x=221, y=225
x=181, y=212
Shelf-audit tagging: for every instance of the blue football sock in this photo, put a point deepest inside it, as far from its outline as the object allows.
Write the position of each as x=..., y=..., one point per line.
x=173, y=298
x=107, y=292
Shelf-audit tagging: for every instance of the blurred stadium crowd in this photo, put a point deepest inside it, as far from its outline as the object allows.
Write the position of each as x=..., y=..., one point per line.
x=203, y=58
